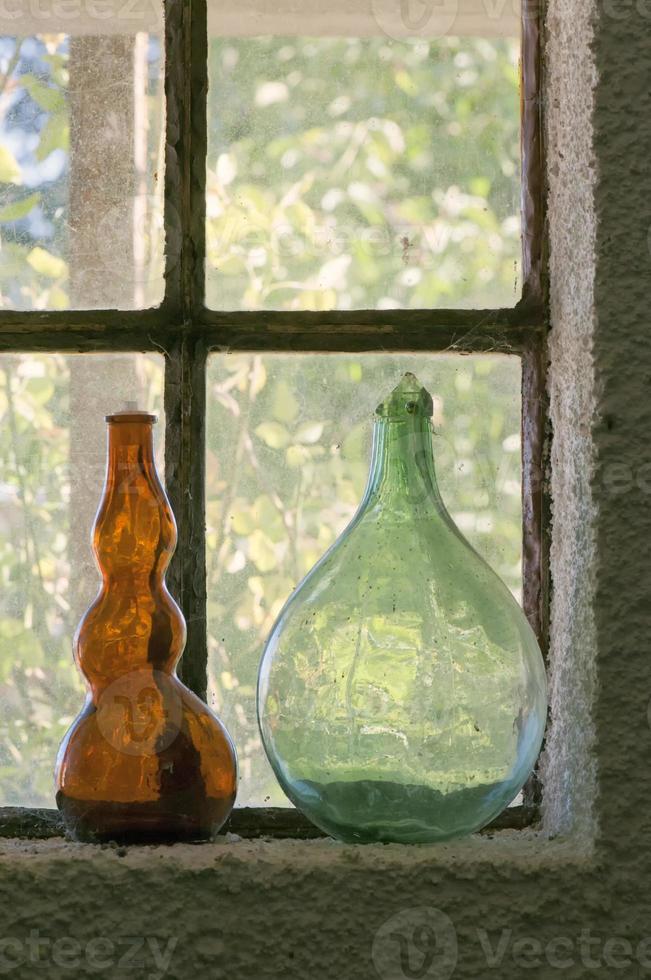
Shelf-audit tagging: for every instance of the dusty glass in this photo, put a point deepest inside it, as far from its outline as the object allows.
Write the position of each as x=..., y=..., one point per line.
x=362, y=172
x=81, y=159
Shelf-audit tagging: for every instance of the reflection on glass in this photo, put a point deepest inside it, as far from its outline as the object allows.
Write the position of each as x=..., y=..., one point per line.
x=288, y=442
x=81, y=164
x=374, y=173
x=52, y=466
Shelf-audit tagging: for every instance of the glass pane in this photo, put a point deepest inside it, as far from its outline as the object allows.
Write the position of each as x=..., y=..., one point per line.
x=288, y=451
x=81, y=166
x=52, y=463
x=363, y=172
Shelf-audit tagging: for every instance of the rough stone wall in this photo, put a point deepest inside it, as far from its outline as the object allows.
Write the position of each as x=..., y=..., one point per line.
x=317, y=910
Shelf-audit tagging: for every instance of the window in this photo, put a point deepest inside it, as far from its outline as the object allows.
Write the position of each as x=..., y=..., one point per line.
x=252, y=219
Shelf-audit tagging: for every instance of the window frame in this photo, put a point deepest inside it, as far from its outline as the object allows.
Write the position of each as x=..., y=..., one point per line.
x=186, y=332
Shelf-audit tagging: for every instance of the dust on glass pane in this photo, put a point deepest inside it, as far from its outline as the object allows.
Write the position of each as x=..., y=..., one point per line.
x=52, y=465
x=363, y=173
x=288, y=446
x=81, y=162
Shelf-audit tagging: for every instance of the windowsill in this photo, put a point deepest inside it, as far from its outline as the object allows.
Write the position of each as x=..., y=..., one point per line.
x=506, y=850
x=285, y=839
x=278, y=823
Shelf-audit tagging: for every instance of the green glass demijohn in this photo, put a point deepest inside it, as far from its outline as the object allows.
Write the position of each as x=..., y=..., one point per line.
x=402, y=693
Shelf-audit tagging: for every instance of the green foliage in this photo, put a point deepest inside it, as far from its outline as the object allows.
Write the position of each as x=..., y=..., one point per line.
x=19, y=209
x=39, y=689
x=9, y=169
x=39, y=231
x=363, y=174
x=33, y=267
x=48, y=97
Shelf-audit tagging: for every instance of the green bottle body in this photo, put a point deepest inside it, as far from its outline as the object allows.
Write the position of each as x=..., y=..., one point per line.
x=402, y=694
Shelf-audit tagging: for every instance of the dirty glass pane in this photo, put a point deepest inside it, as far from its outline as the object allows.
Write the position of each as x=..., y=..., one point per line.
x=81, y=161
x=288, y=450
x=52, y=462
x=362, y=172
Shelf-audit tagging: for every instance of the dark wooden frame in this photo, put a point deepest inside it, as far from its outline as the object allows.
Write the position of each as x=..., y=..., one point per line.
x=186, y=331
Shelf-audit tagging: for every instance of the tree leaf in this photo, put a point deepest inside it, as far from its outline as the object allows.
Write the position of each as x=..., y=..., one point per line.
x=309, y=432
x=19, y=209
x=55, y=135
x=273, y=434
x=47, y=264
x=49, y=98
x=261, y=551
x=9, y=169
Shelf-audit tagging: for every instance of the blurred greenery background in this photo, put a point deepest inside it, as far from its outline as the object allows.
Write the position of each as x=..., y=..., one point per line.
x=34, y=158
x=52, y=465
x=363, y=174
x=341, y=174
x=81, y=168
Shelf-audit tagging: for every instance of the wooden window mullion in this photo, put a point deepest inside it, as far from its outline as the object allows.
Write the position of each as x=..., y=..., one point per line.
x=186, y=70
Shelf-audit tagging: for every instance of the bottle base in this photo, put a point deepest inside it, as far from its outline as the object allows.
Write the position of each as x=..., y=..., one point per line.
x=154, y=822
x=384, y=812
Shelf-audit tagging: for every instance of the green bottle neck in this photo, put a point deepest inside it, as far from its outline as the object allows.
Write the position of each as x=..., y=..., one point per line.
x=402, y=475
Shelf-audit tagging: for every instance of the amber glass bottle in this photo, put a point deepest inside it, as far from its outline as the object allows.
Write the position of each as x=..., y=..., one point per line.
x=145, y=759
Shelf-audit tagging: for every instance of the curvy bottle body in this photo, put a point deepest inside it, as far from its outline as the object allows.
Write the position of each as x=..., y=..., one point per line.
x=145, y=759
x=402, y=694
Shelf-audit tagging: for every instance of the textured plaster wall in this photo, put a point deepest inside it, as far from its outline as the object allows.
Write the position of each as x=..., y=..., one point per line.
x=248, y=911
x=622, y=488
x=292, y=909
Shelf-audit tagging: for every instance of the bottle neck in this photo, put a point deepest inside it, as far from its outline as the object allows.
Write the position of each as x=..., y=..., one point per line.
x=402, y=474
x=134, y=532
x=130, y=456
